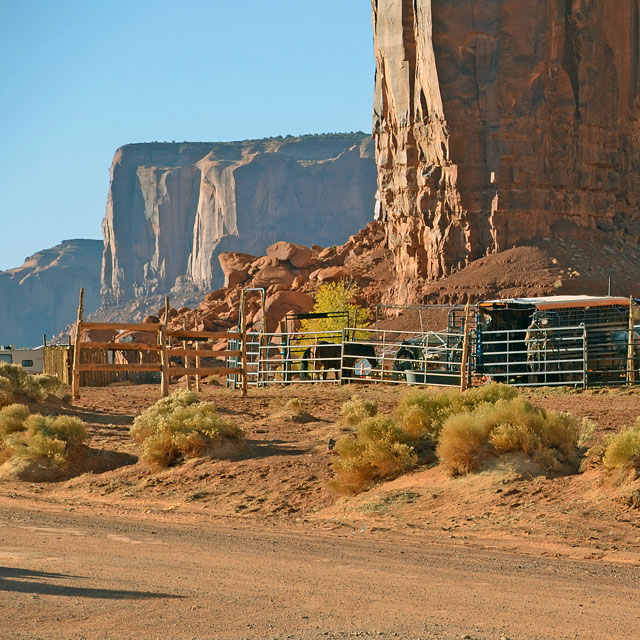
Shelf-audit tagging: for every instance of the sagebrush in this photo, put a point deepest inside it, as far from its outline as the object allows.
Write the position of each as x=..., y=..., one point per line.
x=38, y=438
x=379, y=450
x=622, y=448
x=16, y=382
x=180, y=427
x=548, y=437
x=463, y=428
x=355, y=410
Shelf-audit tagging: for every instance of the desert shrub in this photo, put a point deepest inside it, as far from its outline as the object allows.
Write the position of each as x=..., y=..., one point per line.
x=461, y=443
x=15, y=381
x=587, y=431
x=38, y=438
x=355, y=410
x=622, y=447
x=51, y=385
x=514, y=425
x=379, y=451
x=145, y=424
x=12, y=419
x=423, y=413
x=180, y=427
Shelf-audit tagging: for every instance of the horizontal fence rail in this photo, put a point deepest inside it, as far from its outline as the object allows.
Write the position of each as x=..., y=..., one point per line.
x=170, y=352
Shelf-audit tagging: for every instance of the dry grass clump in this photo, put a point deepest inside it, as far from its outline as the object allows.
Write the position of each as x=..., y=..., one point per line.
x=51, y=440
x=296, y=411
x=622, y=448
x=548, y=437
x=379, y=451
x=355, y=410
x=15, y=382
x=423, y=413
x=179, y=427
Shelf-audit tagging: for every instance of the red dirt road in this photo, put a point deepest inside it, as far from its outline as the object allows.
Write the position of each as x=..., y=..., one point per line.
x=75, y=576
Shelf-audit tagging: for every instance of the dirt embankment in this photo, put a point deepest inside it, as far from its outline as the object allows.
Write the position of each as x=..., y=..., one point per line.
x=282, y=474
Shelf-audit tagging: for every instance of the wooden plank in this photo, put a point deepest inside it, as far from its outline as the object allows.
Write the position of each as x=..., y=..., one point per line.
x=209, y=335
x=76, y=350
x=198, y=365
x=164, y=358
x=186, y=360
x=121, y=346
x=202, y=371
x=178, y=351
x=122, y=326
x=149, y=366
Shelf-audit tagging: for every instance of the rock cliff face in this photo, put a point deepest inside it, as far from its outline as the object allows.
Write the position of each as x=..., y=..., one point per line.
x=172, y=208
x=41, y=296
x=501, y=121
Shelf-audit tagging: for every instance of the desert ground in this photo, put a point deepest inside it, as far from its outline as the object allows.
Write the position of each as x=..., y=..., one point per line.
x=258, y=546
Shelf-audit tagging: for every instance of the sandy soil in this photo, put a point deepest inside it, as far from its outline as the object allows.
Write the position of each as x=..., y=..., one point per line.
x=258, y=546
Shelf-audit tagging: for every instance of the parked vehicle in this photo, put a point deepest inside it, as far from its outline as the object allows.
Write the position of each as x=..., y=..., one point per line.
x=31, y=360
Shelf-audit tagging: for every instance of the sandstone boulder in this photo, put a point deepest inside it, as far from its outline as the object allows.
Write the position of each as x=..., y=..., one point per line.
x=331, y=274
x=297, y=255
x=235, y=267
x=268, y=276
x=279, y=304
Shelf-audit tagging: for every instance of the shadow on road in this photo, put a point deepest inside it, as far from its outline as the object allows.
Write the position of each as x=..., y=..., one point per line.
x=27, y=581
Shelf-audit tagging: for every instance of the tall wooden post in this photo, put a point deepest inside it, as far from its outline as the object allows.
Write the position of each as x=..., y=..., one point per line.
x=186, y=358
x=464, y=361
x=198, y=376
x=631, y=345
x=243, y=329
x=76, y=348
x=164, y=359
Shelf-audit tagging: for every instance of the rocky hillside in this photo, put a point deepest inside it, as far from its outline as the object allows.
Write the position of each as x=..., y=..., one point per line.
x=501, y=123
x=173, y=208
x=41, y=296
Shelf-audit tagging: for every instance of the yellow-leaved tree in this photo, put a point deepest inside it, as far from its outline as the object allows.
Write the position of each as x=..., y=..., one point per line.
x=341, y=300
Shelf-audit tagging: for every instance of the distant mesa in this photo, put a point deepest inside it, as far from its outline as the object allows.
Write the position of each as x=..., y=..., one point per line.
x=173, y=208
x=41, y=296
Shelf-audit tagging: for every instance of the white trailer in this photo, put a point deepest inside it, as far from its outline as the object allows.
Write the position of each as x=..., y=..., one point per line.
x=31, y=360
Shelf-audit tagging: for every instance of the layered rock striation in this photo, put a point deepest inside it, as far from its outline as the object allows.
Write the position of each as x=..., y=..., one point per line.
x=41, y=296
x=500, y=122
x=173, y=208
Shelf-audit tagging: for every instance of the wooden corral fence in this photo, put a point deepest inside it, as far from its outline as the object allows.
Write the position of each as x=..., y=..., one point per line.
x=58, y=361
x=171, y=360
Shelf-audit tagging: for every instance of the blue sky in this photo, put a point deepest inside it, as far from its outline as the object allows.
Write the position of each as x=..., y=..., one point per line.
x=78, y=79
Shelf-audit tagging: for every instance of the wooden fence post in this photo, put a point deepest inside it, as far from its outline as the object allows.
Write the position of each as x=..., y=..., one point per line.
x=243, y=329
x=464, y=369
x=186, y=357
x=164, y=360
x=631, y=346
x=198, y=376
x=76, y=350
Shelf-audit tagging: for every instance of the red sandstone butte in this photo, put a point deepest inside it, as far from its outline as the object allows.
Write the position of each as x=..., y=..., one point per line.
x=499, y=123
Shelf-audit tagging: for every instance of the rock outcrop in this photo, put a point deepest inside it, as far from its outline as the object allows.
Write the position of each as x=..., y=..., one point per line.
x=501, y=122
x=290, y=274
x=173, y=208
x=41, y=296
